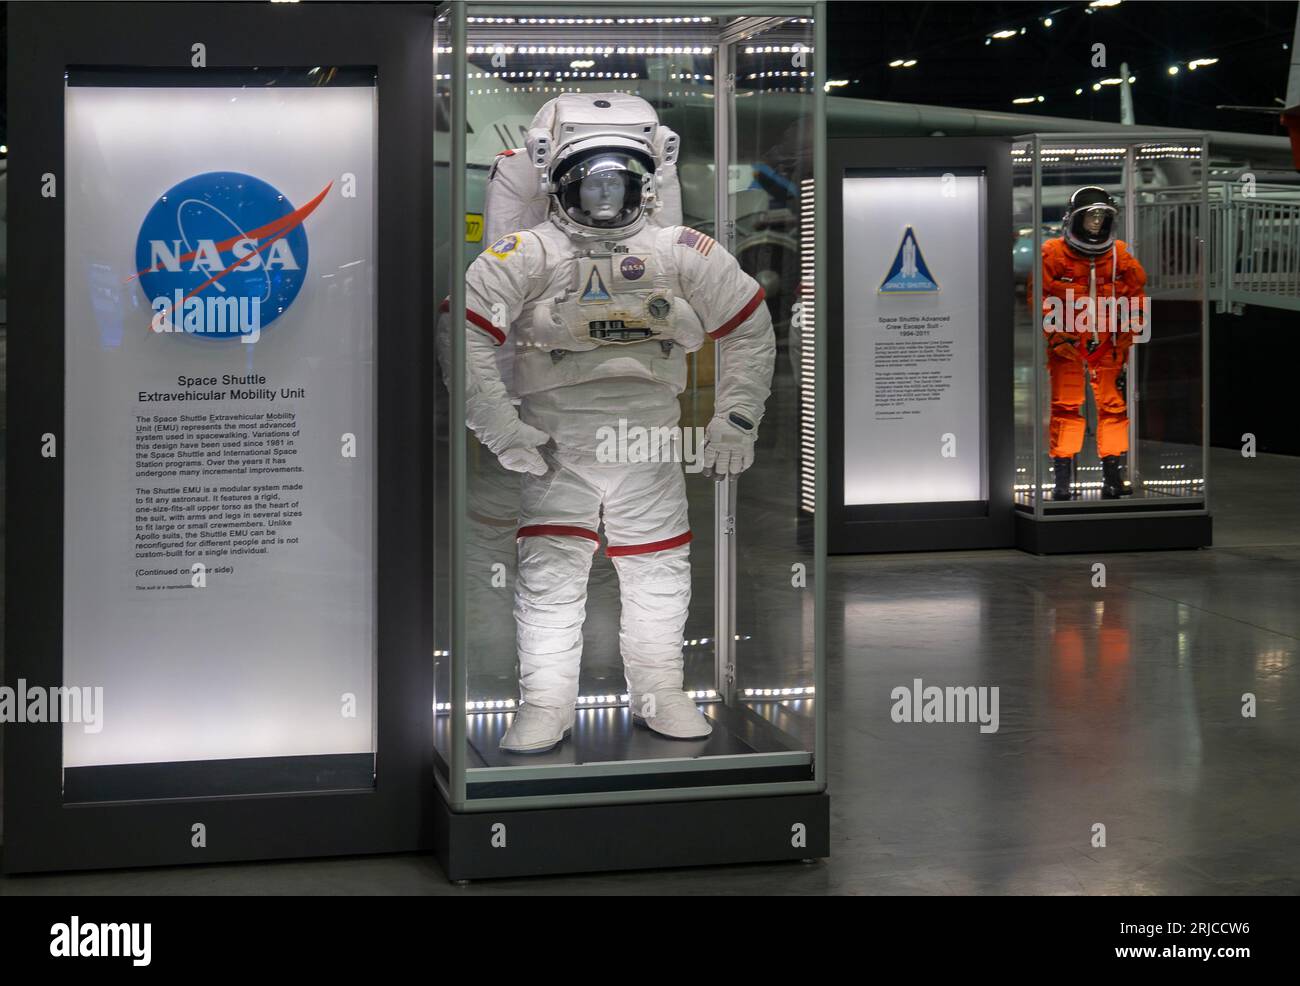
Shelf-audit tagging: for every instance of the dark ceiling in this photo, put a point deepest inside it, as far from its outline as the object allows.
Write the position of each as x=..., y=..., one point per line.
x=956, y=67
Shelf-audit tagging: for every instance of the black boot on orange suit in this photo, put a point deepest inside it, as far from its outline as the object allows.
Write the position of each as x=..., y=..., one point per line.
x=1112, y=481
x=1061, y=468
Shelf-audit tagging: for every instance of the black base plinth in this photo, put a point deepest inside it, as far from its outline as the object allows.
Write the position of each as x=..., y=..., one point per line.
x=537, y=842
x=1081, y=534
x=219, y=778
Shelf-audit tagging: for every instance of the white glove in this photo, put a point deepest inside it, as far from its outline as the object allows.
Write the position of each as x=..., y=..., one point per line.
x=728, y=447
x=520, y=454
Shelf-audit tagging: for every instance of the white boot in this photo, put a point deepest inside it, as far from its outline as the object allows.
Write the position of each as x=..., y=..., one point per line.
x=670, y=713
x=550, y=605
x=655, y=589
x=537, y=729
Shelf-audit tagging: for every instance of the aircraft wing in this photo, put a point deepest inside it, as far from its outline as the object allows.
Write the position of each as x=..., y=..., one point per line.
x=848, y=117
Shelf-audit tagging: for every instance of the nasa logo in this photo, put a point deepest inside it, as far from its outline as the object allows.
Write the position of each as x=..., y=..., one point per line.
x=222, y=254
x=631, y=268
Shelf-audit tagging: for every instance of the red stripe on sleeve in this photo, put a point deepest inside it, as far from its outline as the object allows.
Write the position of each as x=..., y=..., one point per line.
x=740, y=316
x=485, y=325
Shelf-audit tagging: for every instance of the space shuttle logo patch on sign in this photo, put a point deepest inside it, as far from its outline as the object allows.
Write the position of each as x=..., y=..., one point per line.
x=908, y=274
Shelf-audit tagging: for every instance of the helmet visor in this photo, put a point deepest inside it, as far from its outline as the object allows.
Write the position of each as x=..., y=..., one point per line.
x=1093, y=224
x=603, y=189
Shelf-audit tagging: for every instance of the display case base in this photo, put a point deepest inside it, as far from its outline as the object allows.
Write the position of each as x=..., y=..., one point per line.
x=602, y=838
x=1081, y=534
x=754, y=743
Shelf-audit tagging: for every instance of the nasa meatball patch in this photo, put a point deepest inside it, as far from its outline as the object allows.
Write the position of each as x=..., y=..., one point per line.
x=221, y=243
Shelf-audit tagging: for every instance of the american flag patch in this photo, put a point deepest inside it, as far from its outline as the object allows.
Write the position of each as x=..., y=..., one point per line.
x=697, y=241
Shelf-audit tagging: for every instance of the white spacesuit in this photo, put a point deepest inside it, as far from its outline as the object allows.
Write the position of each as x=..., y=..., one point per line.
x=601, y=308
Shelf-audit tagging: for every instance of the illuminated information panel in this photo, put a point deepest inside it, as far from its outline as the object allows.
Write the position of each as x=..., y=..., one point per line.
x=914, y=426
x=219, y=548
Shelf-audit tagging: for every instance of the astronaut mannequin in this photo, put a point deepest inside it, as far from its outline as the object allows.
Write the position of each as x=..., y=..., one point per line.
x=1088, y=262
x=601, y=307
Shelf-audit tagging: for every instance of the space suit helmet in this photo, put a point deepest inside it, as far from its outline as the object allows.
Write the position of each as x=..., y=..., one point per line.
x=595, y=140
x=622, y=171
x=1089, y=221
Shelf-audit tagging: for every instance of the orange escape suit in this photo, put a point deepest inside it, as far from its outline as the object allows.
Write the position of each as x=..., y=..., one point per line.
x=1112, y=275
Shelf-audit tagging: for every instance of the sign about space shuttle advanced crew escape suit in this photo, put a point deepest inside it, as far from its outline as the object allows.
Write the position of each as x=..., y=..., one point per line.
x=219, y=445
x=913, y=339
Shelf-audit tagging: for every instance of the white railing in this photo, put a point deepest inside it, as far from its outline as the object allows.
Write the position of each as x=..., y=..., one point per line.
x=1165, y=232
x=1253, y=243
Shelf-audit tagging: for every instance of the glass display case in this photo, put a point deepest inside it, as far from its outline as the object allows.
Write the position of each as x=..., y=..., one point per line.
x=1111, y=335
x=627, y=612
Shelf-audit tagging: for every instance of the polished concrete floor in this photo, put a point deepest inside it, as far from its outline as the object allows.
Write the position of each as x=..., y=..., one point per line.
x=1119, y=706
